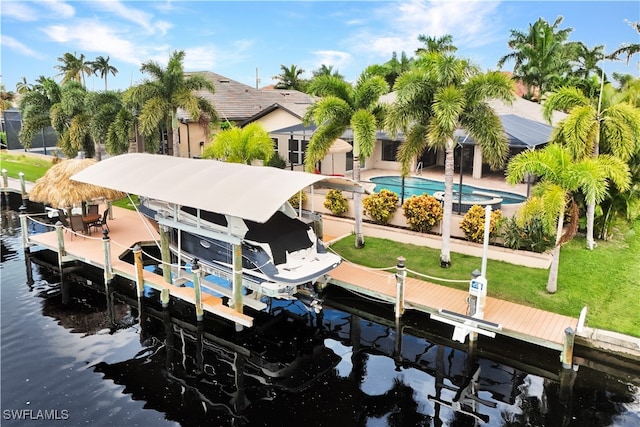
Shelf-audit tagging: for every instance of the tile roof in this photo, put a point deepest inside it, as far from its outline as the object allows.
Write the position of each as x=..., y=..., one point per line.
x=237, y=102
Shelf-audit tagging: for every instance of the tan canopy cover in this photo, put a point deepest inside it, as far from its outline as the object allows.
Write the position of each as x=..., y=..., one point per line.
x=250, y=192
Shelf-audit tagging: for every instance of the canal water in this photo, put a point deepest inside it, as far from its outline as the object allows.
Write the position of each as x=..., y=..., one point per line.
x=100, y=359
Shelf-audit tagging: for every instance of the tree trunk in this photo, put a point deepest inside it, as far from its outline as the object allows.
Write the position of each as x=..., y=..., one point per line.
x=175, y=148
x=552, y=280
x=445, y=253
x=591, y=209
x=357, y=204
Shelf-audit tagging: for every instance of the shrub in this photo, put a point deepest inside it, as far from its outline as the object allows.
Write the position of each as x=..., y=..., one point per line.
x=276, y=161
x=473, y=223
x=336, y=202
x=422, y=212
x=530, y=236
x=380, y=206
x=295, y=199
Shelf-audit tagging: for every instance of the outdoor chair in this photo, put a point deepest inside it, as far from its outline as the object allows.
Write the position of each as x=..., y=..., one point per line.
x=62, y=217
x=77, y=224
x=101, y=222
x=92, y=209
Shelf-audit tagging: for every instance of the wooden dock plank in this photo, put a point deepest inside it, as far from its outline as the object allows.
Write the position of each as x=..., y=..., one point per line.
x=518, y=321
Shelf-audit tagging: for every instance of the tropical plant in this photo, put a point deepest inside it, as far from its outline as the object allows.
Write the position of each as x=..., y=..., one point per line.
x=35, y=107
x=473, y=222
x=442, y=44
x=298, y=199
x=561, y=175
x=593, y=127
x=336, y=202
x=101, y=66
x=23, y=86
x=585, y=60
x=290, y=78
x=168, y=90
x=381, y=206
x=441, y=95
x=628, y=49
x=276, y=161
x=240, y=145
x=341, y=107
x=422, y=212
x=327, y=70
x=6, y=99
x=71, y=121
x=531, y=235
x=74, y=68
x=103, y=109
x=539, y=55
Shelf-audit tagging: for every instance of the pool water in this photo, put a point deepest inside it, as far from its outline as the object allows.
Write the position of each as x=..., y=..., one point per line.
x=416, y=186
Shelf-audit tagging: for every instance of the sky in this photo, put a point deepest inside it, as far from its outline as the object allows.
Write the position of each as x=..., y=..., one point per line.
x=249, y=41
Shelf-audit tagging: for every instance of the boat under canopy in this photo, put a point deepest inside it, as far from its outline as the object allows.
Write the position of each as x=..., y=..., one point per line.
x=250, y=192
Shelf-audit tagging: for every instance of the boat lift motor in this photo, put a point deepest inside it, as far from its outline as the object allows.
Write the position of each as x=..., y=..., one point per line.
x=477, y=296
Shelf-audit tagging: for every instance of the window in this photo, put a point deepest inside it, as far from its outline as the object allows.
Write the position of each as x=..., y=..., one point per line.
x=275, y=144
x=297, y=151
x=389, y=150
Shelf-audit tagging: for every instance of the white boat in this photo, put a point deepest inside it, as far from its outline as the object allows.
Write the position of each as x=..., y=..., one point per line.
x=235, y=219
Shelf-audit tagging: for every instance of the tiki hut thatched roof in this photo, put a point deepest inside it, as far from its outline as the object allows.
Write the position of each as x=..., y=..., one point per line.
x=56, y=188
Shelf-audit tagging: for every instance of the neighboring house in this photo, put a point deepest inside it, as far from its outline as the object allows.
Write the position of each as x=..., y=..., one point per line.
x=12, y=123
x=240, y=104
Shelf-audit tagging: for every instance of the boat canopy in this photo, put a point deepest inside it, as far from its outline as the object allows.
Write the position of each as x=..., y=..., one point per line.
x=249, y=192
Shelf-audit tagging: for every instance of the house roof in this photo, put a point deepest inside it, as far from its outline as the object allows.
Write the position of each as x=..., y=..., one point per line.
x=237, y=102
x=250, y=192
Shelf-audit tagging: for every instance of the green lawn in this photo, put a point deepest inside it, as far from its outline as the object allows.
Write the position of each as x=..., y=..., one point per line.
x=606, y=280
x=32, y=167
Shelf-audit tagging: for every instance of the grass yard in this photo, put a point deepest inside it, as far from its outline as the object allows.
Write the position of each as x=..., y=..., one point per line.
x=606, y=280
x=33, y=167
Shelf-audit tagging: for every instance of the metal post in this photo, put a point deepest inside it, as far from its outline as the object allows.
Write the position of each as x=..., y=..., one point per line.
x=460, y=184
x=485, y=244
x=197, y=290
x=401, y=274
x=566, y=357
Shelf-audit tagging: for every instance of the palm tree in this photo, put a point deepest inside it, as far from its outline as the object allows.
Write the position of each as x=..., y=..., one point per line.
x=6, y=99
x=71, y=121
x=241, y=145
x=594, y=127
x=35, y=107
x=169, y=90
x=290, y=78
x=442, y=44
x=561, y=175
x=102, y=66
x=73, y=68
x=586, y=60
x=103, y=108
x=23, y=86
x=628, y=49
x=539, y=56
x=327, y=70
x=343, y=106
x=442, y=94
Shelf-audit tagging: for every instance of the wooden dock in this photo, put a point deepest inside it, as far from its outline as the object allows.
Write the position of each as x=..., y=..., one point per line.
x=127, y=229
x=518, y=321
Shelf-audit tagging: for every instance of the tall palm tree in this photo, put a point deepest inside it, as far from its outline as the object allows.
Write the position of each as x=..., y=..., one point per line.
x=592, y=127
x=628, y=49
x=540, y=55
x=343, y=106
x=71, y=120
x=241, y=145
x=290, y=78
x=326, y=70
x=74, y=68
x=35, y=107
x=441, y=95
x=561, y=175
x=23, y=86
x=586, y=60
x=102, y=66
x=442, y=44
x=168, y=90
x=103, y=108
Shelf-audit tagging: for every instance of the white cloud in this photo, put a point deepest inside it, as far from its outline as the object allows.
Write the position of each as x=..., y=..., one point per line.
x=19, y=11
x=140, y=18
x=338, y=59
x=401, y=22
x=59, y=9
x=11, y=43
x=200, y=58
x=90, y=35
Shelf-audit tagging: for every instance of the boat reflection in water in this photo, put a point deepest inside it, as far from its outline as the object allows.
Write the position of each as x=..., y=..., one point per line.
x=351, y=364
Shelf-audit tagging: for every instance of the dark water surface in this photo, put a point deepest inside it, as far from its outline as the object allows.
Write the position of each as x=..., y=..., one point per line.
x=98, y=361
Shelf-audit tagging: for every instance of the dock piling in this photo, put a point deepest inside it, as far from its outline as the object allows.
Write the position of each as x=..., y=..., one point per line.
x=401, y=274
x=165, y=253
x=106, y=246
x=197, y=289
x=566, y=357
x=137, y=257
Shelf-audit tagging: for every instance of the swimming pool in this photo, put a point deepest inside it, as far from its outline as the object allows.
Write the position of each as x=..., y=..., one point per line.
x=417, y=186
